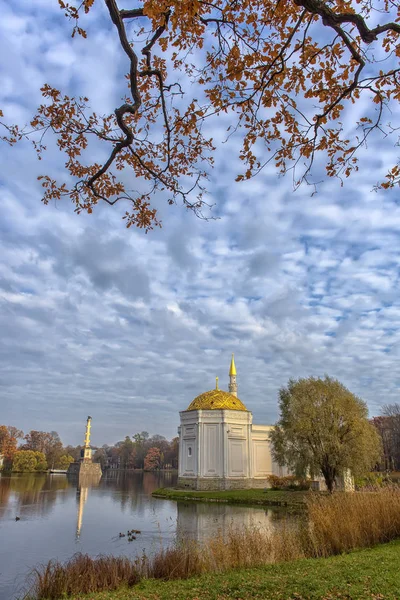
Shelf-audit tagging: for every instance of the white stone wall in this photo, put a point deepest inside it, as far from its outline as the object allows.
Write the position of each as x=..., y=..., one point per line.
x=188, y=448
x=224, y=444
x=261, y=451
x=215, y=443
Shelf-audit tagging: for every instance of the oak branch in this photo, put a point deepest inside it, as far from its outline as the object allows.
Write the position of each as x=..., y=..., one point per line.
x=277, y=75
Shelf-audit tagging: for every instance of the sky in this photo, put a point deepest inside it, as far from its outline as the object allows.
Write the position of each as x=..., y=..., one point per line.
x=99, y=320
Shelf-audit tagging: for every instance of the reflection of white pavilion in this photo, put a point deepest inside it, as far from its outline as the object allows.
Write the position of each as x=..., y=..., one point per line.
x=200, y=521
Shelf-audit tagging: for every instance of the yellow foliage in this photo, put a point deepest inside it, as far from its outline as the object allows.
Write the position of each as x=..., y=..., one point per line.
x=284, y=85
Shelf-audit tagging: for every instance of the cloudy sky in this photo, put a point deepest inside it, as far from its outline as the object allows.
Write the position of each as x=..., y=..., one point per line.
x=129, y=328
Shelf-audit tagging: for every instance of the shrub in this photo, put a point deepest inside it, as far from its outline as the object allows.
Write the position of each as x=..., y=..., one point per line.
x=24, y=461
x=372, y=480
x=41, y=463
x=28, y=461
x=289, y=482
x=64, y=461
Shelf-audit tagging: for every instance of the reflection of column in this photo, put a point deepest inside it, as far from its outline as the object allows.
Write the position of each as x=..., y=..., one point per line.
x=84, y=483
x=82, y=493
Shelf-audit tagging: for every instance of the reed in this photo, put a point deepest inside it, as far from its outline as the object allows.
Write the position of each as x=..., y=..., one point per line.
x=81, y=575
x=342, y=521
x=336, y=523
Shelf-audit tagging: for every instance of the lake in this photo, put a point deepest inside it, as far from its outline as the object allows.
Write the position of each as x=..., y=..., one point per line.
x=59, y=518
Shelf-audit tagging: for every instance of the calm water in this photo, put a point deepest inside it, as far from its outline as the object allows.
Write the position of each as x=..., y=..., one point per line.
x=57, y=519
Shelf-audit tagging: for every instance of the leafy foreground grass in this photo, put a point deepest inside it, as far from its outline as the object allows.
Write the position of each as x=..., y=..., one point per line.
x=372, y=574
x=267, y=497
x=336, y=523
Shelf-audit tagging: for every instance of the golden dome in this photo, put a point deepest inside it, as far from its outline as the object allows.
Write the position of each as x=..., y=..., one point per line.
x=216, y=400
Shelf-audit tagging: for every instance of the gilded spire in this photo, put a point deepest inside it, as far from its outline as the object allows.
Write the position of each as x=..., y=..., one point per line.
x=216, y=383
x=232, y=370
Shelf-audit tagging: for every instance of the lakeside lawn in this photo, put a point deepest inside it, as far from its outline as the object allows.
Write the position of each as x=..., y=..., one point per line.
x=371, y=574
x=266, y=497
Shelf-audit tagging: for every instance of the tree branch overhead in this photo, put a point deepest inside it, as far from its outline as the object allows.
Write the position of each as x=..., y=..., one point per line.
x=262, y=64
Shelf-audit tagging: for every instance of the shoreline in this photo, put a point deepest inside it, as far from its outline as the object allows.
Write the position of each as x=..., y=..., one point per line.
x=365, y=574
x=251, y=497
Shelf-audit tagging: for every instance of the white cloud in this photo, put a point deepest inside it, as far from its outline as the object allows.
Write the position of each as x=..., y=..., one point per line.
x=131, y=327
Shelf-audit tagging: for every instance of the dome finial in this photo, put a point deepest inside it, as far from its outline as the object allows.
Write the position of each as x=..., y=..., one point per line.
x=216, y=383
x=232, y=370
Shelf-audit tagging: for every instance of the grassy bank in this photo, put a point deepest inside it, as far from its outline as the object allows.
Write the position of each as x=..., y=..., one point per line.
x=336, y=524
x=362, y=575
x=255, y=497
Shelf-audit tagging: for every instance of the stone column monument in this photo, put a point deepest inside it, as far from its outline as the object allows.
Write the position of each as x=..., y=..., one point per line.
x=85, y=466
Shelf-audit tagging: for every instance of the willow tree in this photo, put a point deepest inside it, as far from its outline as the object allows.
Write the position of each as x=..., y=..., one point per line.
x=283, y=73
x=324, y=428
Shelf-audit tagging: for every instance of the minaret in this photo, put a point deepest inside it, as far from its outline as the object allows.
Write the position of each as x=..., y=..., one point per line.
x=232, y=378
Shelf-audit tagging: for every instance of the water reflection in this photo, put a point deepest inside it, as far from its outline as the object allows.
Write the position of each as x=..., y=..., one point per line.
x=199, y=522
x=81, y=495
x=34, y=494
x=132, y=490
x=31, y=494
x=60, y=516
x=84, y=482
x=5, y=490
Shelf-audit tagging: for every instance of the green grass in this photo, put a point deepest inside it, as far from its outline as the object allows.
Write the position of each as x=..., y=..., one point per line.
x=255, y=497
x=371, y=574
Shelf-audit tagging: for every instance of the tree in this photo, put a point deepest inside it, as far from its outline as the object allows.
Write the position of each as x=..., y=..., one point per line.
x=171, y=454
x=41, y=462
x=140, y=440
x=100, y=456
x=24, y=461
x=9, y=436
x=284, y=73
x=74, y=451
x=127, y=454
x=113, y=456
x=152, y=462
x=388, y=427
x=323, y=428
x=48, y=443
x=64, y=461
x=392, y=412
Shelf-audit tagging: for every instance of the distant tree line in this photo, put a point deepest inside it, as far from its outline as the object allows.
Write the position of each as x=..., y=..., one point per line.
x=41, y=450
x=35, y=451
x=141, y=451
